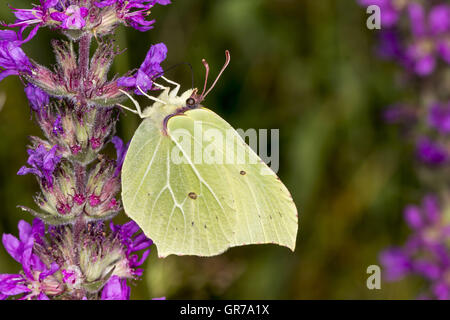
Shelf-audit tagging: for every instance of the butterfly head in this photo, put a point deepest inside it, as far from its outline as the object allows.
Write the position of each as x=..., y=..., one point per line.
x=195, y=99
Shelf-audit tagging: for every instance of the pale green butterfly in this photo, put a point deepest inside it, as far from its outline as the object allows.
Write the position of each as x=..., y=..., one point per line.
x=191, y=208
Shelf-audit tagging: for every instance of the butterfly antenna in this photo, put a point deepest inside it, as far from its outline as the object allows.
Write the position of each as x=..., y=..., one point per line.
x=227, y=62
x=202, y=96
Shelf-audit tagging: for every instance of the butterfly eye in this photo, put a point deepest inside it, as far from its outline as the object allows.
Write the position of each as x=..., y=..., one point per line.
x=190, y=102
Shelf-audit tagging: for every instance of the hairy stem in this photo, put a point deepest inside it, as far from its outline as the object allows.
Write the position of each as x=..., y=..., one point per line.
x=83, y=58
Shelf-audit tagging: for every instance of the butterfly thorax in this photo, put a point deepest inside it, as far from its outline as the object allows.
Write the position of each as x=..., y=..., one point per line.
x=160, y=113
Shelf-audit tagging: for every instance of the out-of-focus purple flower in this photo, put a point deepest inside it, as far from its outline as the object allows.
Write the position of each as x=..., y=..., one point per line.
x=72, y=18
x=133, y=240
x=43, y=162
x=431, y=152
x=399, y=114
x=150, y=68
x=425, y=252
x=37, y=97
x=390, y=46
x=430, y=32
x=121, y=151
x=439, y=117
x=425, y=217
x=36, y=281
x=396, y=263
x=12, y=58
x=116, y=289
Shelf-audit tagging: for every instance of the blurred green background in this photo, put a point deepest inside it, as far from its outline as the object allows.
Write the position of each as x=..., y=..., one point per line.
x=306, y=67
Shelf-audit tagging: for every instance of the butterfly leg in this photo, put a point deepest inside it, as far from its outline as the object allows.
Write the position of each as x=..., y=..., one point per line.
x=150, y=97
x=136, y=104
x=177, y=85
x=159, y=86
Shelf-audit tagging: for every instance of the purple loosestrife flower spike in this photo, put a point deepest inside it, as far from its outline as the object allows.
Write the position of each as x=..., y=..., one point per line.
x=79, y=256
x=43, y=162
x=417, y=35
x=150, y=68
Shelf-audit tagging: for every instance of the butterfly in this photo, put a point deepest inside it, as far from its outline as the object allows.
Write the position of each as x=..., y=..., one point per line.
x=202, y=208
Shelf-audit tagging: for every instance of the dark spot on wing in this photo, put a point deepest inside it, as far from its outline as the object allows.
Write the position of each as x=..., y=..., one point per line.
x=192, y=223
x=243, y=173
x=205, y=227
x=192, y=195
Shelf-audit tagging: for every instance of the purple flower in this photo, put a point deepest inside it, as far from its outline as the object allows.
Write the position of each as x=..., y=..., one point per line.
x=72, y=18
x=133, y=12
x=36, y=281
x=425, y=252
x=150, y=68
x=396, y=263
x=430, y=33
x=439, y=118
x=37, y=97
x=57, y=126
x=430, y=152
x=37, y=16
x=12, y=58
x=121, y=151
x=116, y=289
x=133, y=240
x=425, y=216
x=390, y=46
x=43, y=162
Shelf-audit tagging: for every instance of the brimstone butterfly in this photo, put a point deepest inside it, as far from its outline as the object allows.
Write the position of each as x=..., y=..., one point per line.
x=189, y=207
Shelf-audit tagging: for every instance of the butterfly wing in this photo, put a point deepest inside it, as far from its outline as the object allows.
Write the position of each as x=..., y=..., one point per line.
x=189, y=207
x=266, y=212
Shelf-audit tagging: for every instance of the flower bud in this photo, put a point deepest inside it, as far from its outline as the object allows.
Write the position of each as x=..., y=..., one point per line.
x=101, y=188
